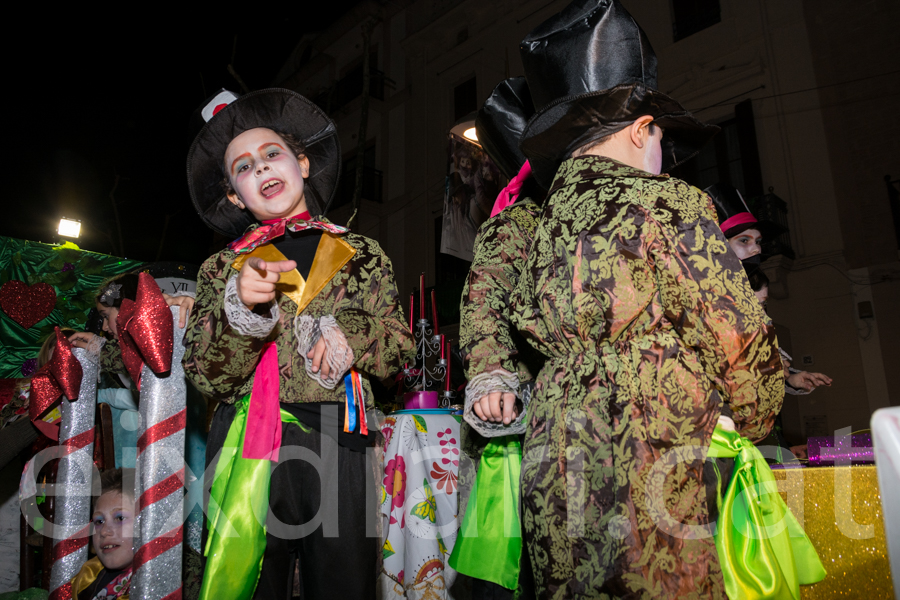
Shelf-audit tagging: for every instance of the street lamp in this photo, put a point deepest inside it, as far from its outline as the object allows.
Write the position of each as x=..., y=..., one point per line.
x=465, y=128
x=69, y=228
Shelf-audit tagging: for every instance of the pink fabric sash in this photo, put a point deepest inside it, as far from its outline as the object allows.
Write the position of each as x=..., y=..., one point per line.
x=262, y=439
x=738, y=219
x=509, y=194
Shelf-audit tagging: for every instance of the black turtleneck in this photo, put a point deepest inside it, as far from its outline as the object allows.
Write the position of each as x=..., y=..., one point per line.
x=301, y=248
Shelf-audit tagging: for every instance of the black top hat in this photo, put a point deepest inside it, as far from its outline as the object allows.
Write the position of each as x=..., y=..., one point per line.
x=734, y=215
x=501, y=121
x=592, y=72
x=227, y=116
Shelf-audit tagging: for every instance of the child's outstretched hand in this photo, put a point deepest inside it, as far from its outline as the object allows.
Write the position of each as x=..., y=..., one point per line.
x=185, y=303
x=81, y=339
x=257, y=279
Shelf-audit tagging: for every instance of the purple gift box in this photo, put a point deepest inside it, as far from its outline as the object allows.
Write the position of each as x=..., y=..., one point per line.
x=420, y=400
x=855, y=449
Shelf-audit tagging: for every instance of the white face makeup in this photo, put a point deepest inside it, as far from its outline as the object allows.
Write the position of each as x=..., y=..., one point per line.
x=746, y=244
x=653, y=151
x=109, y=314
x=266, y=177
x=113, y=535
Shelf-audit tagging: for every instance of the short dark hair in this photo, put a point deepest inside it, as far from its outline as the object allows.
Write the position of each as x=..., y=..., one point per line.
x=120, y=481
x=758, y=279
x=294, y=143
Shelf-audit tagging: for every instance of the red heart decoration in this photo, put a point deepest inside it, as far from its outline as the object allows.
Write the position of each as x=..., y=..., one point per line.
x=26, y=305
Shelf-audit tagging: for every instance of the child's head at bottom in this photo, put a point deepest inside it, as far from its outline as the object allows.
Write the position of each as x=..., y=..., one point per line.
x=113, y=519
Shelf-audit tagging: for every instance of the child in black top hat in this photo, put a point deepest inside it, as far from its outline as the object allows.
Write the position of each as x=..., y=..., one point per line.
x=647, y=321
x=292, y=315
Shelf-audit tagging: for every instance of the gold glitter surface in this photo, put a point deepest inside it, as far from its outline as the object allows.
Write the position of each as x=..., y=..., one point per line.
x=840, y=509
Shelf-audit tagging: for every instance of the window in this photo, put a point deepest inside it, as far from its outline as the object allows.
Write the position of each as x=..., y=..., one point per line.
x=350, y=86
x=731, y=157
x=691, y=16
x=465, y=99
x=371, y=183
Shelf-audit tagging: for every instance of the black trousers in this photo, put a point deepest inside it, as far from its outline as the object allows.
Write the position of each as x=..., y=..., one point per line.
x=337, y=558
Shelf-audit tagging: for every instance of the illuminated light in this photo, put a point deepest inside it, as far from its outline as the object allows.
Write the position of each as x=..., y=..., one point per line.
x=69, y=228
x=465, y=129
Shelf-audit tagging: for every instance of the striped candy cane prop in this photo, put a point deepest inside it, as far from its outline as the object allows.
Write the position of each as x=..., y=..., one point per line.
x=160, y=477
x=75, y=471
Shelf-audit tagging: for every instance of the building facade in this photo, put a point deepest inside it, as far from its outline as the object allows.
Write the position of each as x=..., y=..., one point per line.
x=804, y=93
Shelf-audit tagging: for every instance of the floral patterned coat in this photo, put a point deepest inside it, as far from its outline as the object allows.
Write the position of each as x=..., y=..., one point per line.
x=488, y=339
x=355, y=284
x=649, y=325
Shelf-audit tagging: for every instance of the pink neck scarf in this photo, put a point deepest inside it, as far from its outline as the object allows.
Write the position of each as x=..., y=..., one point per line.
x=509, y=194
x=273, y=229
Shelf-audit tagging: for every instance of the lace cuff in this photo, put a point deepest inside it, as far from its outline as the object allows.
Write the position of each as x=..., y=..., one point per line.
x=338, y=354
x=496, y=381
x=789, y=389
x=94, y=347
x=242, y=319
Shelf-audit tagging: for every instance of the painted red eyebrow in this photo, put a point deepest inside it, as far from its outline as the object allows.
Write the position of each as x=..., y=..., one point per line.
x=238, y=158
x=271, y=144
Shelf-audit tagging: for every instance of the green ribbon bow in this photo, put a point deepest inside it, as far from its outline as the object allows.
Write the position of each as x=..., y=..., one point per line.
x=764, y=552
x=489, y=545
x=238, y=505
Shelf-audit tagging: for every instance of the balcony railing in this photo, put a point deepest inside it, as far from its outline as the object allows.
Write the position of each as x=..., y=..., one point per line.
x=348, y=88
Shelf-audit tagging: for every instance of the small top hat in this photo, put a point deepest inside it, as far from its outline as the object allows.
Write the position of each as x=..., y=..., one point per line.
x=501, y=121
x=734, y=215
x=592, y=72
x=225, y=116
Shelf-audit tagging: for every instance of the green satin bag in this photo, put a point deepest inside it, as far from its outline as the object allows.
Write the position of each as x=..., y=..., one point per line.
x=238, y=505
x=489, y=544
x=763, y=550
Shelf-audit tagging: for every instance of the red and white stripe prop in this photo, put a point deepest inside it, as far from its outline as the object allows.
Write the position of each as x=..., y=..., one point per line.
x=149, y=333
x=72, y=513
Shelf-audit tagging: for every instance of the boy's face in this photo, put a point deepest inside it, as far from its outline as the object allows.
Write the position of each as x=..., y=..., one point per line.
x=265, y=174
x=113, y=535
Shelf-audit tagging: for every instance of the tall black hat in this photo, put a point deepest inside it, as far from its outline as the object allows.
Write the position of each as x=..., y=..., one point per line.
x=227, y=116
x=592, y=72
x=501, y=121
x=734, y=215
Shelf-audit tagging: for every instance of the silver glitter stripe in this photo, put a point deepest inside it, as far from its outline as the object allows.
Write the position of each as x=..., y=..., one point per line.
x=161, y=398
x=75, y=472
x=167, y=576
x=161, y=461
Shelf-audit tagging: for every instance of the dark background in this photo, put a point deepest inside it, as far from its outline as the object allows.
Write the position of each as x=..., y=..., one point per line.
x=84, y=106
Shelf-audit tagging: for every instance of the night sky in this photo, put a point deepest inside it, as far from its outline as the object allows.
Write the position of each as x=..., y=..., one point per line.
x=87, y=106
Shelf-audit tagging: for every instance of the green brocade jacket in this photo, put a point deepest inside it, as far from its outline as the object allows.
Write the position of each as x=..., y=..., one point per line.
x=649, y=325
x=488, y=339
x=351, y=279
